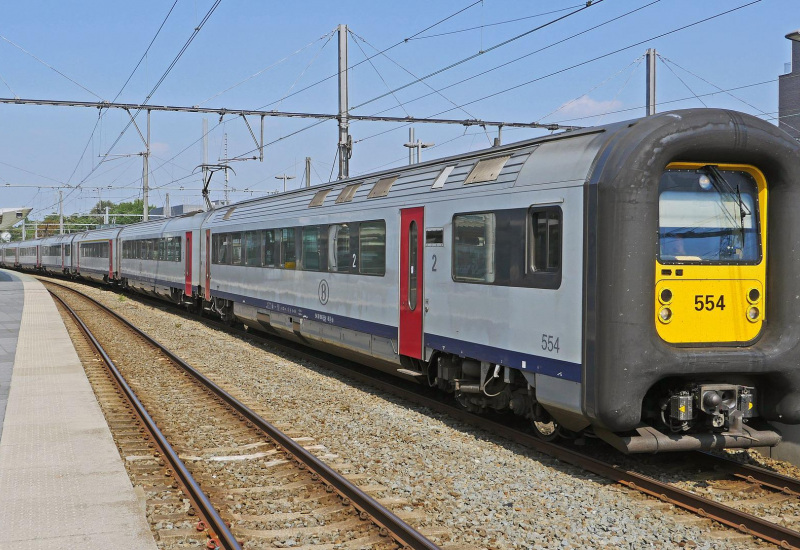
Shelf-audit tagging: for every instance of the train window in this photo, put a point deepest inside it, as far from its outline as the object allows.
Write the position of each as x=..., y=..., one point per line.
x=708, y=216
x=269, y=246
x=67, y=250
x=313, y=242
x=382, y=187
x=252, y=248
x=372, y=248
x=474, y=248
x=339, y=256
x=222, y=249
x=288, y=251
x=236, y=248
x=348, y=193
x=545, y=240
x=434, y=236
x=412, y=265
x=487, y=170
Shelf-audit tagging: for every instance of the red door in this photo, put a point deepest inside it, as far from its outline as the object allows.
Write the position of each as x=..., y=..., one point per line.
x=208, y=264
x=411, y=237
x=110, y=260
x=188, y=258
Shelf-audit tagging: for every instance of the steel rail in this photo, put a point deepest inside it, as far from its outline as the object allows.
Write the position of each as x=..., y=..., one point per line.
x=388, y=522
x=752, y=474
x=741, y=521
x=218, y=529
x=736, y=519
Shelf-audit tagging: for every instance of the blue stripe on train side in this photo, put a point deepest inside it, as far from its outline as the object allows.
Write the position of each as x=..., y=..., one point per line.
x=377, y=329
x=532, y=363
x=514, y=359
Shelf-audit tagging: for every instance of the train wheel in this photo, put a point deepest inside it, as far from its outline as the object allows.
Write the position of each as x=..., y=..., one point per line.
x=544, y=425
x=547, y=431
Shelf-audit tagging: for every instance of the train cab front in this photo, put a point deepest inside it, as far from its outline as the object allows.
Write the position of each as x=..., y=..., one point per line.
x=709, y=303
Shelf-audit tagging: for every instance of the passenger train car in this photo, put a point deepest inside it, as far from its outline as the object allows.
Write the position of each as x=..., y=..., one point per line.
x=638, y=280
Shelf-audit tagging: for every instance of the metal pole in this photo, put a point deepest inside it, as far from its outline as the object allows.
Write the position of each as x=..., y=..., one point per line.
x=24, y=233
x=261, y=149
x=145, y=183
x=105, y=217
x=167, y=207
x=60, y=212
x=344, y=136
x=225, y=194
x=651, y=81
x=411, y=146
x=205, y=157
x=308, y=171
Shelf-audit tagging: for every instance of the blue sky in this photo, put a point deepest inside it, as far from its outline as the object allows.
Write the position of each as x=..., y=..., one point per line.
x=97, y=44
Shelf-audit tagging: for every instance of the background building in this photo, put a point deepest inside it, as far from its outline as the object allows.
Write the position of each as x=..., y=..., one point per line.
x=789, y=93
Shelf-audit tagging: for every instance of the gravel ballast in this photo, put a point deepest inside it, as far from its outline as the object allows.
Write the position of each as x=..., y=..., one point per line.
x=488, y=492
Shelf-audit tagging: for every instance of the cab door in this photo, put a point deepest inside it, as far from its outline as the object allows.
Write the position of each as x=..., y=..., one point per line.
x=411, y=237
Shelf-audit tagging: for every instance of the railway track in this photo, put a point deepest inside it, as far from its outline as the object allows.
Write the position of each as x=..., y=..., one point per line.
x=628, y=476
x=249, y=482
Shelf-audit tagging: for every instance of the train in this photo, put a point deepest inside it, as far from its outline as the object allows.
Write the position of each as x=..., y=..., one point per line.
x=637, y=282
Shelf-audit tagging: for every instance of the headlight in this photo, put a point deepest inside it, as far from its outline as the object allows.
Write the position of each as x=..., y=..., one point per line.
x=665, y=296
x=665, y=315
x=752, y=314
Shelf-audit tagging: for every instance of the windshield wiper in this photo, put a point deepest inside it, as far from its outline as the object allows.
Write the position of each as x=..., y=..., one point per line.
x=722, y=186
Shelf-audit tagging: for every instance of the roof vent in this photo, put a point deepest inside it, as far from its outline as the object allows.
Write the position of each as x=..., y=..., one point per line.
x=227, y=215
x=487, y=170
x=381, y=189
x=348, y=193
x=319, y=198
x=442, y=177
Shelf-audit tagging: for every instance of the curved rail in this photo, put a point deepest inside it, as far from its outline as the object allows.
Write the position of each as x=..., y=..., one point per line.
x=388, y=522
x=731, y=517
x=218, y=529
x=736, y=519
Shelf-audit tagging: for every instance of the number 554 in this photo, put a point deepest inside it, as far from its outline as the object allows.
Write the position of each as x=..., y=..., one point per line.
x=708, y=302
x=550, y=343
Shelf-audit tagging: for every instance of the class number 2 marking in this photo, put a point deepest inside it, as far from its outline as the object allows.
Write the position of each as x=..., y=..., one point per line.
x=433, y=267
x=709, y=302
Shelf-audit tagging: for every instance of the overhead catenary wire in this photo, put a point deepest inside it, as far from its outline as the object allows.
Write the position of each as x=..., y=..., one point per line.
x=378, y=73
x=685, y=85
x=269, y=67
x=78, y=84
x=434, y=90
x=586, y=62
x=529, y=54
x=737, y=98
x=482, y=52
x=405, y=40
x=515, y=20
x=310, y=63
x=635, y=64
x=194, y=34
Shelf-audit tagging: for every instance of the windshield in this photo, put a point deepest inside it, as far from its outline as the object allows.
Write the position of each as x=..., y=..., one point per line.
x=703, y=219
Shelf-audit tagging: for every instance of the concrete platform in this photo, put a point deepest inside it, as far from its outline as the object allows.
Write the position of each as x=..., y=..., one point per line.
x=62, y=481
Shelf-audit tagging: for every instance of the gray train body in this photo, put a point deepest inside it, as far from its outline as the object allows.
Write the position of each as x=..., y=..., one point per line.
x=520, y=278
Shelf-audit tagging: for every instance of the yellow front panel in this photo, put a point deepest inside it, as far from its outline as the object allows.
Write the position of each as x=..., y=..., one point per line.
x=709, y=303
x=711, y=310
